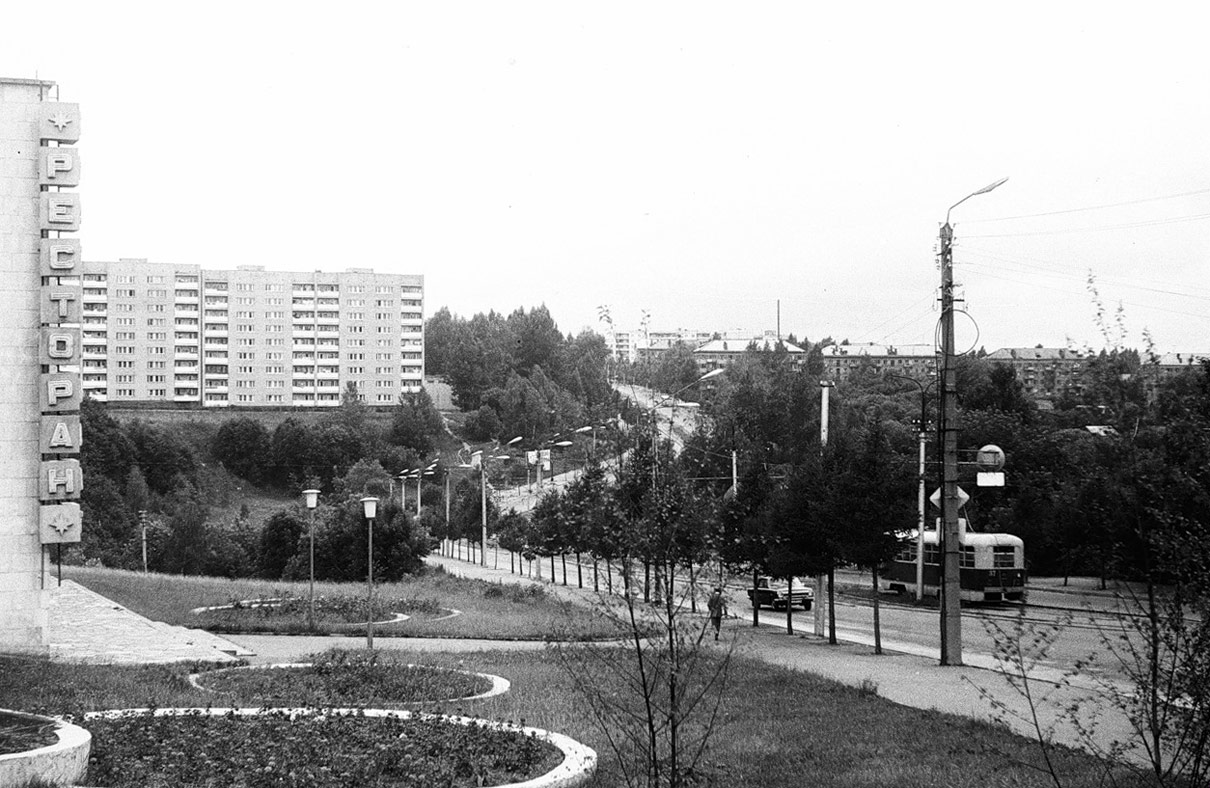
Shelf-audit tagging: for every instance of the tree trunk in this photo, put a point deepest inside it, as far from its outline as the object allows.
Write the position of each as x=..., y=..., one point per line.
x=579, y=571
x=755, y=607
x=692, y=590
x=832, y=606
x=877, y=620
x=789, y=606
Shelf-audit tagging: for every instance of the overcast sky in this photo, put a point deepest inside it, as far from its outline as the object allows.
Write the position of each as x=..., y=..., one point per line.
x=696, y=160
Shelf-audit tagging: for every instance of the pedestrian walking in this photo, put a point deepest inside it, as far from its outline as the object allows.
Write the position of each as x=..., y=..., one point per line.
x=718, y=608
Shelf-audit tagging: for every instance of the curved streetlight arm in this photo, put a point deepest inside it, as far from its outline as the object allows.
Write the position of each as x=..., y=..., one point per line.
x=984, y=190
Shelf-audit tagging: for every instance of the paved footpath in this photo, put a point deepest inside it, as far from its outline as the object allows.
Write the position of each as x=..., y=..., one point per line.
x=87, y=627
x=905, y=673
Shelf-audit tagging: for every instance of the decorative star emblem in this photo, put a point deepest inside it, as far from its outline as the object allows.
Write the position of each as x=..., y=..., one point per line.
x=61, y=523
x=59, y=120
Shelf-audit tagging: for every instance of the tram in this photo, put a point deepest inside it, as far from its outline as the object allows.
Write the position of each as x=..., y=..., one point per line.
x=991, y=566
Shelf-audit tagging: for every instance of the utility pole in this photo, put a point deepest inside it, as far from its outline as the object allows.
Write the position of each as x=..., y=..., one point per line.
x=951, y=594
x=821, y=610
x=951, y=611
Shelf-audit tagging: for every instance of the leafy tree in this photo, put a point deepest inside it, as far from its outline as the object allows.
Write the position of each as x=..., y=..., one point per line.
x=243, y=446
x=416, y=423
x=483, y=425
x=162, y=455
x=106, y=450
x=110, y=530
x=876, y=502
x=279, y=541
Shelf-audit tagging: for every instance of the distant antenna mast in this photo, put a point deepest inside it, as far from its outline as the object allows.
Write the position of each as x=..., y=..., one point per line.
x=779, y=320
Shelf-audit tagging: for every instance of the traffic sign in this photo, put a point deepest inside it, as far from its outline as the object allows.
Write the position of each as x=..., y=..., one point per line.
x=935, y=498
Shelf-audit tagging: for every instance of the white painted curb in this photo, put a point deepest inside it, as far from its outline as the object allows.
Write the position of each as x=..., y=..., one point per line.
x=500, y=685
x=579, y=761
x=62, y=763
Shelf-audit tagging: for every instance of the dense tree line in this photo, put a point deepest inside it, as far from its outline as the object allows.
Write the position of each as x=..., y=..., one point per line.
x=519, y=375
x=168, y=481
x=1085, y=502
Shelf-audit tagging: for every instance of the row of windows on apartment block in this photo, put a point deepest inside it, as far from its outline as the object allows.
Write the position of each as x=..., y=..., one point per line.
x=249, y=399
x=406, y=359
x=91, y=346
x=296, y=383
x=101, y=309
x=270, y=287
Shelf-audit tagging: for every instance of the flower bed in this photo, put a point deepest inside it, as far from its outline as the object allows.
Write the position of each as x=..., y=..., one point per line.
x=37, y=748
x=344, y=678
x=325, y=748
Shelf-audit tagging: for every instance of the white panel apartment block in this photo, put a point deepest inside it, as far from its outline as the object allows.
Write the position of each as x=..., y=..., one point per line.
x=248, y=337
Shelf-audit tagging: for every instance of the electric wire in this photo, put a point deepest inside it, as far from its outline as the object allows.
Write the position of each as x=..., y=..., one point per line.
x=1127, y=226
x=1091, y=207
x=981, y=271
x=1065, y=271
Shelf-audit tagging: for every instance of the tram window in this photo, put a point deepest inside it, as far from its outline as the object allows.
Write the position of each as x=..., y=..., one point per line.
x=1004, y=557
x=932, y=554
x=966, y=559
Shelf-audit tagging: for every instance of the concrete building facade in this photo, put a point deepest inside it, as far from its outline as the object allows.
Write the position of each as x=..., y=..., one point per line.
x=248, y=337
x=40, y=478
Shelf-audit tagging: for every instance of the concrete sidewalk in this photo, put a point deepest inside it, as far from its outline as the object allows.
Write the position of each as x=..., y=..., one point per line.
x=905, y=673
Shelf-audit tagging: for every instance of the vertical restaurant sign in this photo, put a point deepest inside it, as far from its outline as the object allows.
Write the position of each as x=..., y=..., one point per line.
x=61, y=314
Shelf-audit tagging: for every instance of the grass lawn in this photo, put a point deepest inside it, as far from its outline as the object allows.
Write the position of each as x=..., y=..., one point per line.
x=778, y=727
x=495, y=611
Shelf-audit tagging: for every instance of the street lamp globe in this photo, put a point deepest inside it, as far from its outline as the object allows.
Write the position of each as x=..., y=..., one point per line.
x=311, y=498
x=369, y=506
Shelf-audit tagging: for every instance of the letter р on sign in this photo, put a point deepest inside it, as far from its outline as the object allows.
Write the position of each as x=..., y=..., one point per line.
x=59, y=392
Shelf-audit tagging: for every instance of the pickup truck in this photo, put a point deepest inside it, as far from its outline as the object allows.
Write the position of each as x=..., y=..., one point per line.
x=777, y=594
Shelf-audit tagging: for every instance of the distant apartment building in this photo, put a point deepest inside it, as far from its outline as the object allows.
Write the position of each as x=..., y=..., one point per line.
x=1045, y=372
x=913, y=361
x=721, y=353
x=155, y=332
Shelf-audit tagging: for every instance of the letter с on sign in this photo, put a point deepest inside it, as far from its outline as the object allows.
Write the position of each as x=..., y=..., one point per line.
x=60, y=256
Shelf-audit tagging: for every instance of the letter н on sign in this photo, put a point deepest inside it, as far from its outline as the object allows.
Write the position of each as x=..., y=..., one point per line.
x=60, y=256
x=60, y=480
x=60, y=435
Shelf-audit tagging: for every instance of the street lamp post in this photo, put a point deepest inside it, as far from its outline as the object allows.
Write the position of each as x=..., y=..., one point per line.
x=369, y=506
x=951, y=611
x=822, y=606
x=920, y=473
x=311, y=497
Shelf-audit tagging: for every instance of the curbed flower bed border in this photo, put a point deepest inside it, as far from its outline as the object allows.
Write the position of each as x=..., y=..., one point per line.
x=577, y=767
x=500, y=685
x=61, y=763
